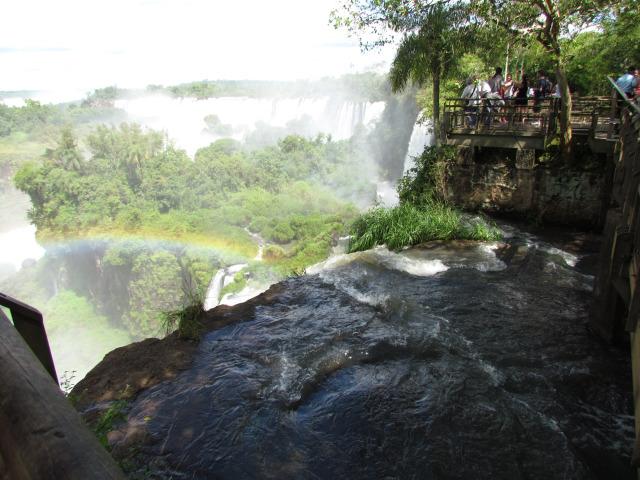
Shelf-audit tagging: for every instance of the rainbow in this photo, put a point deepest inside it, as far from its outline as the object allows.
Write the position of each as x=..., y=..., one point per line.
x=224, y=245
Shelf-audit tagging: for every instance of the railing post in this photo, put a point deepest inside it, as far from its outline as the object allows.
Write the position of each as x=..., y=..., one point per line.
x=594, y=124
x=446, y=121
x=30, y=325
x=42, y=436
x=613, y=113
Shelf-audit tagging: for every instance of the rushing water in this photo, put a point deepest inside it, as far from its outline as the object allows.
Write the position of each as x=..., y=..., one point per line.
x=444, y=362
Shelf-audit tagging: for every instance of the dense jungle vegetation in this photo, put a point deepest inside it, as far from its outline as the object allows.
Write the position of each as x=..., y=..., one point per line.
x=129, y=219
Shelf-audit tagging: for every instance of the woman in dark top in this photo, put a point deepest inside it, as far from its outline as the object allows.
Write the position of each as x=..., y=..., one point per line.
x=523, y=89
x=521, y=96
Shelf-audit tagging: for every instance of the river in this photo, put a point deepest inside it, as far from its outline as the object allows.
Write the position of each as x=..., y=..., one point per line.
x=457, y=360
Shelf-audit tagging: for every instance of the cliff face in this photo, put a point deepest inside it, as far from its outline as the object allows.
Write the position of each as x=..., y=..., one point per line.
x=519, y=183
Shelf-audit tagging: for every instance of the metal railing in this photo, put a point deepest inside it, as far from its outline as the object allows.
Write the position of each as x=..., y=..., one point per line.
x=597, y=117
x=30, y=325
x=496, y=116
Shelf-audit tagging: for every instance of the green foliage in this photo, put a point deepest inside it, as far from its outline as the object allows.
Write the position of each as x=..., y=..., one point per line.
x=66, y=153
x=109, y=419
x=186, y=319
x=216, y=127
x=367, y=86
x=155, y=288
x=273, y=252
x=426, y=180
x=422, y=215
x=407, y=225
x=101, y=97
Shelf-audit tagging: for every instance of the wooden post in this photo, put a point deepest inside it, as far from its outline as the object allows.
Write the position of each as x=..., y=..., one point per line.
x=613, y=113
x=41, y=436
x=30, y=325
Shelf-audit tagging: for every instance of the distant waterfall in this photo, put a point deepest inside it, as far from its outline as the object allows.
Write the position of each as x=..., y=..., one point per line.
x=183, y=119
x=421, y=136
x=213, y=292
x=221, y=279
x=386, y=194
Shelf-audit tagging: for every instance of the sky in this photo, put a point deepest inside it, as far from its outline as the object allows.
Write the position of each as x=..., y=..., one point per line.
x=85, y=44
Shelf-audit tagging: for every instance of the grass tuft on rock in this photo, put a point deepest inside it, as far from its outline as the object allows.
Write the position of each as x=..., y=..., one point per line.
x=407, y=225
x=186, y=320
x=422, y=215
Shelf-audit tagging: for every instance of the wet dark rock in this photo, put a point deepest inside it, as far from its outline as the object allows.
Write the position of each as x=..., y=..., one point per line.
x=458, y=360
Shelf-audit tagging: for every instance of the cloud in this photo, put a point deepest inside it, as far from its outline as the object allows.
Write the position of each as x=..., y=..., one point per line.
x=34, y=50
x=133, y=43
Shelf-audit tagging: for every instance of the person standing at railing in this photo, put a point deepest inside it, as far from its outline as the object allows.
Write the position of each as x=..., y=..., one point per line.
x=521, y=98
x=628, y=82
x=542, y=90
x=508, y=87
x=507, y=92
x=470, y=94
x=495, y=82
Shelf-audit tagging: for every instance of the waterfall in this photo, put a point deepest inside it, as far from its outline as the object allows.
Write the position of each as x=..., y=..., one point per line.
x=183, y=119
x=213, y=292
x=260, y=241
x=221, y=279
x=421, y=136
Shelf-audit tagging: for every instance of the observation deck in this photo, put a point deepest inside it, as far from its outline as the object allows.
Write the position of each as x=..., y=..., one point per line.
x=505, y=124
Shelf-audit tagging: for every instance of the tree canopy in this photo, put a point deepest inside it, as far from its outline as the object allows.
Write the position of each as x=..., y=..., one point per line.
x=580, y=41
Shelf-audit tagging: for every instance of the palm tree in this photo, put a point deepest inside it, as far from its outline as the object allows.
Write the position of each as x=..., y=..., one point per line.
x=431, y=52
x=66, y=154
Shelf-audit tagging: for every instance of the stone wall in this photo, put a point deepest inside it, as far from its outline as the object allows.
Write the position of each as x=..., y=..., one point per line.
x=519, y=183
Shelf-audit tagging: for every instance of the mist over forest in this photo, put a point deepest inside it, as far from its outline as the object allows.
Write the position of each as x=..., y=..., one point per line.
x=143, y=198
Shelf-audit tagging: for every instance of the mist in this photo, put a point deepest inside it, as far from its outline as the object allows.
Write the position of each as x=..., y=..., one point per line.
x=194, y=123
x=223, y=187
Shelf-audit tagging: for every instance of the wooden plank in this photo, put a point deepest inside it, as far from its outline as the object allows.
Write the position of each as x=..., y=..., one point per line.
x=41, y=435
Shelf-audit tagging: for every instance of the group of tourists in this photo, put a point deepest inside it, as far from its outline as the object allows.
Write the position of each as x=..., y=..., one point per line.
x=499, y=88
x=495, y=92
x=491, y=95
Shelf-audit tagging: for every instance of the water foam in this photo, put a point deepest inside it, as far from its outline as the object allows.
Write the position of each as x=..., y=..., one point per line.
x=385, y=258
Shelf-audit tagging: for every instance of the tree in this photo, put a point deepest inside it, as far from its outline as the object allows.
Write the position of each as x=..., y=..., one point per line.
x=66, y=154
x=126, y=148
x=548, y=22
x=430, y=53
x=435, y=35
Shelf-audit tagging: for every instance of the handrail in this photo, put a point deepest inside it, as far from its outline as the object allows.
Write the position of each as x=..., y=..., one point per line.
x=30, y=325
x=504, y=116
x=42, y=436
